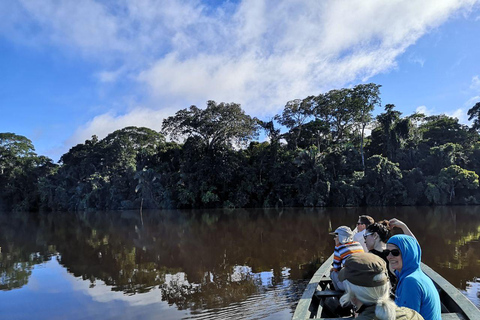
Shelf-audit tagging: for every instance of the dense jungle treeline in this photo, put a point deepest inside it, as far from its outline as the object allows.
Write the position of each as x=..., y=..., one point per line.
x=213, y=159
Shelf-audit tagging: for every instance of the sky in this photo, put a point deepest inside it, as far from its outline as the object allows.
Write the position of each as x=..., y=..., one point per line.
x=72, y=69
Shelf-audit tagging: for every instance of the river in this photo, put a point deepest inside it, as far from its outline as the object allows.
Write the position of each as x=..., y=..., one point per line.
x=200, y=264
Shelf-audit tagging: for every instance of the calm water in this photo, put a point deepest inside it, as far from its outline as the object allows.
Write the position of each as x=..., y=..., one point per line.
x=241, y=264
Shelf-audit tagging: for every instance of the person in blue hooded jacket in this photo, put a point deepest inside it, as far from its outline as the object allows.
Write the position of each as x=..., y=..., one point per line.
x=415, y=290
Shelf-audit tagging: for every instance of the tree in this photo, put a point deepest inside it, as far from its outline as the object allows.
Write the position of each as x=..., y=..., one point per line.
x=335, y=108
x=364, y=99
x=450, y=181
x=382, y=182
x=474, y=114
x=441, y=129
x=20, y=170
x=384, y=140
x=122, y=148
x=294, y=116
x=12, y=148
x=219, y=124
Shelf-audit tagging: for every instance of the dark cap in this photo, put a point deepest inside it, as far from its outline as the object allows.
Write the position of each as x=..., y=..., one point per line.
x=364, y=269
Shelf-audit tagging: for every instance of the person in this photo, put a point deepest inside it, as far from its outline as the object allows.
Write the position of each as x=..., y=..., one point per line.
x=363, y=222
x=368, y=290
x=415, y=289
x=376, y=237
x=344, y=247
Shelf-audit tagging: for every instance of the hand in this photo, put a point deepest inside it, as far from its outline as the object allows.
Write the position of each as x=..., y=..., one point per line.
x=400, y=224
x=396, y=223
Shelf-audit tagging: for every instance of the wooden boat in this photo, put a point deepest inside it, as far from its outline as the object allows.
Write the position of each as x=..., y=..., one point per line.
x=314, y=302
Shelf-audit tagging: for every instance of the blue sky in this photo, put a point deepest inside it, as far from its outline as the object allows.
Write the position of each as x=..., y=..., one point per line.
x=71, y=69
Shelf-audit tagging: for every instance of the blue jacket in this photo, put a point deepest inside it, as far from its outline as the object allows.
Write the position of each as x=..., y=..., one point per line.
x=415, y=290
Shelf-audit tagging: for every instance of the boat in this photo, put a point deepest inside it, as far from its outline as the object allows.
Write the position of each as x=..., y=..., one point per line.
x=316, y=301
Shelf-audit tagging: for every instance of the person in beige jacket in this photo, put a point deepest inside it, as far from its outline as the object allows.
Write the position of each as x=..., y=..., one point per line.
x=367, y=288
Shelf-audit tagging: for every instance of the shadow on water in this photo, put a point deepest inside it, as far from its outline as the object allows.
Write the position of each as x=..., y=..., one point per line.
x=216, y=262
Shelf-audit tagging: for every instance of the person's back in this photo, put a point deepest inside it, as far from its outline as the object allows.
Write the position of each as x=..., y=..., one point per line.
x=343, y=251
x=344, y=247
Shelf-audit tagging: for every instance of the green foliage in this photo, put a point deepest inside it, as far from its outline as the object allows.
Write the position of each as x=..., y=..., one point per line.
x=20, y=170
x=452, y=186
x=474, y=114
x=414, y=182
x=294, y=116
x=382, y=184
x=442, y=129
x=411, y=160
x=219, y=124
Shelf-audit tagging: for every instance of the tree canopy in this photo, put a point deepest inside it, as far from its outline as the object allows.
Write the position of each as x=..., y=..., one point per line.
x=223, y=123
x=316, y=153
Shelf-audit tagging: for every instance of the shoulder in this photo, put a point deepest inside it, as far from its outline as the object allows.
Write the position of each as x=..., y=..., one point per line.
x=418, y=278
x=351, y=247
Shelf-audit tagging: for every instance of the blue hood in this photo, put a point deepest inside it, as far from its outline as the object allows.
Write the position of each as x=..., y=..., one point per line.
x=411, y=254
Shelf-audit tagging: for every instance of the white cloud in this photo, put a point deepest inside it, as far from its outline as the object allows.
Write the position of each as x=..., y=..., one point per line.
x=475, y=85
x=460, y=114
x=270, y=53
x=472, y=101
x=424, y=110
x=416, y=59
x=258, y=53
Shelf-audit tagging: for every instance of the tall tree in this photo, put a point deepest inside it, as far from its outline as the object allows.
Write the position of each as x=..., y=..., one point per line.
x=20, y=170
x=365, y=97
x=295, y=115
x=474, y=114
x=335, y=108
x=218, y=124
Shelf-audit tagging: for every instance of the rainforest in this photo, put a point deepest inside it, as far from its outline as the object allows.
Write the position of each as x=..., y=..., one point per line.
x=323, y=150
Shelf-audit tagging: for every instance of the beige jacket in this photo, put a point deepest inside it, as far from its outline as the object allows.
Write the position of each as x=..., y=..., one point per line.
x=402, y=314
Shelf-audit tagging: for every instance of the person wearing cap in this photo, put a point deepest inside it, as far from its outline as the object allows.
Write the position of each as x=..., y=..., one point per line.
x=362, y=223
x=367, y=288
x=344, y=247
x=415, y=289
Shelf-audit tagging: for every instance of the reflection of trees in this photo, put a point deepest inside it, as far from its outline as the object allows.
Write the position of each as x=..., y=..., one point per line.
x=216, y=289
x=22, y=247
x=14, y=275
x=207, y=247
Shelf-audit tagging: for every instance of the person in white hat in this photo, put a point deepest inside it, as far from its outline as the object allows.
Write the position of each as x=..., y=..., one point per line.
x=344, y=247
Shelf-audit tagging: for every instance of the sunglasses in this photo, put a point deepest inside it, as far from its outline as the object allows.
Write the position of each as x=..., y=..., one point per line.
x=394, y=252
x=359, y=223
x=366, y=235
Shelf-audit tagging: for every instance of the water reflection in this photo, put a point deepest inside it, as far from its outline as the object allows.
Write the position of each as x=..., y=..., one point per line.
x=253, y=263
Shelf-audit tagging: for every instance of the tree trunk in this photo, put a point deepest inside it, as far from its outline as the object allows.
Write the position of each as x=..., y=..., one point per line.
x=141, y=211
x=361, y=149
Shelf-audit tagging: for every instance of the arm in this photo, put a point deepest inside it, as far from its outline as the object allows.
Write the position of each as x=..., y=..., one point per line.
x=337, y=260
x=411, y=295
x=400, y=224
